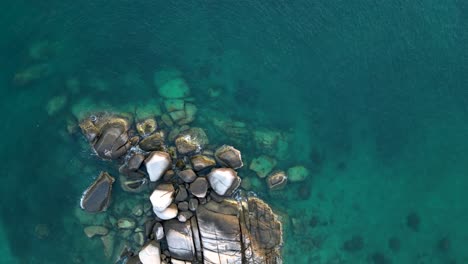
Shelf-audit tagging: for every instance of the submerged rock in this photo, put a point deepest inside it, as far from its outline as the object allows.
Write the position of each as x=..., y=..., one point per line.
x=228, y=156
x=92, y=231
x=262, y=165
x=157, y=164
x=297, y=173
x=146, y=126
x=97, y=197
x=56, y=104
x=175, y=88
x=277, y=180
x=224, y=180
x=191, y=140
x=126, y=223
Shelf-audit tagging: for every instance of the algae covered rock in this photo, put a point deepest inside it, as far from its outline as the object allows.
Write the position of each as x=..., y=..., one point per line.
x=97, y=197
x=56, y=104
x=175, y=88
x=147, y=126
x=297, y=173
x=191, y=140
x=277, y=180
x=262, y=165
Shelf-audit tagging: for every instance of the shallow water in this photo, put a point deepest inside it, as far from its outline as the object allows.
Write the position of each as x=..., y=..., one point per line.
x=372, y=97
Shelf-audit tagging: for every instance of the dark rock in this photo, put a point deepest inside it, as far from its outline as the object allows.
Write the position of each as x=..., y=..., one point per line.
x=379, y=258
x=413, y=221
x=112, y=143
x=131, y=174
x=182, y=194
x=153, y=142
x=199, y=187
x=187, y=175
x=277, y=181
x=193, y=204
x=148, y=231
x=135, y=161
x=354, y=244
x=394, y=244
x=203, y=200
x=184, y=216
x=314, y=221
x=158, y=231
x=443, y=244
x=216, y=197
x=228, y=156
x=169, y=175
x=201, y=162
x=97, y=197
x=134, y=185
x=108, y=134
x=183, y=206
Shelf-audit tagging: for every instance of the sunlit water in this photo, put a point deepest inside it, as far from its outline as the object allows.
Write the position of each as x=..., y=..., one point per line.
x=373, y=98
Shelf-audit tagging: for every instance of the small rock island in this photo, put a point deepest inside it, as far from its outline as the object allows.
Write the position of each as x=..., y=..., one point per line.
x=188, y=207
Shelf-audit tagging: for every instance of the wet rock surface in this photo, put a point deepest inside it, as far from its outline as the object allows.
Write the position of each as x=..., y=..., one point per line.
x=97, y=197
x=228, y=156
x=108, y=134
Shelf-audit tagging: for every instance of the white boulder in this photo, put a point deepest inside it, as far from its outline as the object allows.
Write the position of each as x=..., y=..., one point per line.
x=162, y=197
x=150, y=254
x=168, y=213
x=157, y=164
x=223, y=180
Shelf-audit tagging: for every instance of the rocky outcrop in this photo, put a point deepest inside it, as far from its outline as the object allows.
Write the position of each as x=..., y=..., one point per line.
x=231, y=231
x=191, y=216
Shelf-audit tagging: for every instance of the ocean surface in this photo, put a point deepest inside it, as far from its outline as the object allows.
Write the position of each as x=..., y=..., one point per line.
x=372, y=97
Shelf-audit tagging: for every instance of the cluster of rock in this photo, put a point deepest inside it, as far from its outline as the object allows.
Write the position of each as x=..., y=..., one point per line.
x=190, y=187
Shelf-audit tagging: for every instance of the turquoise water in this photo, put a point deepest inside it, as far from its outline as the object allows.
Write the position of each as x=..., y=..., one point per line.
x=372, y=97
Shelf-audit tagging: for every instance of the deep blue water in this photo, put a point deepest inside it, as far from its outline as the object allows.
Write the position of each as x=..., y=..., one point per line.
x=372, y=95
